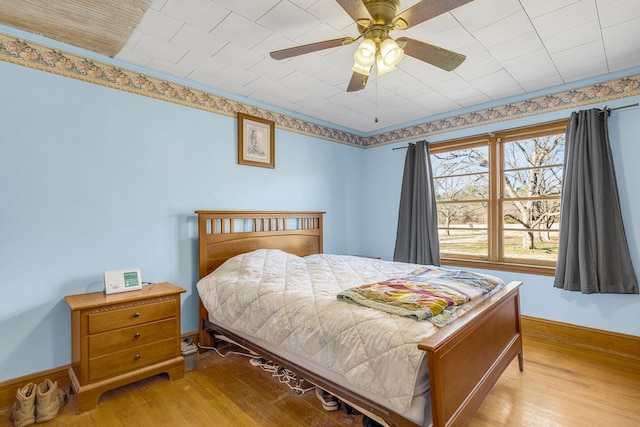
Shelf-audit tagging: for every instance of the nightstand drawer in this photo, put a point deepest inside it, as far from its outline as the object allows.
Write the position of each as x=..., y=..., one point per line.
x=120, y=339
x=132, y=358
x=124, y=315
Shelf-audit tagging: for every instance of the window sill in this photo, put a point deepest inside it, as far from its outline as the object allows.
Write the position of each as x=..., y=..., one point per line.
x=541, y=270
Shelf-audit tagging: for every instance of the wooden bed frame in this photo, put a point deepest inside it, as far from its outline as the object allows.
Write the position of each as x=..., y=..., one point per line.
x=485, y=340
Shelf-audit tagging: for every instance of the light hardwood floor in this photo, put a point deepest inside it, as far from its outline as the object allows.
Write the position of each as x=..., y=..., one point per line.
x=561, y=386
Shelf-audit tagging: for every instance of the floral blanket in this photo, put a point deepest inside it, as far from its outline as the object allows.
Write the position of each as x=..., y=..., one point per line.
x=430, y=293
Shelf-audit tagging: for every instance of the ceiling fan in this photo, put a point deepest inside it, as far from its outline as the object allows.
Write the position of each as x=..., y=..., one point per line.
x=375, y=19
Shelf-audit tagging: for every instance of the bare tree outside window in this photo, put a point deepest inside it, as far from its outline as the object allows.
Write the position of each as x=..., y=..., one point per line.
x=461, y=181
x=498, y=196
x=532, y=186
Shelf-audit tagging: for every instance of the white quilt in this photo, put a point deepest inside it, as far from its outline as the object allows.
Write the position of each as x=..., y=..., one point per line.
x=291, y=302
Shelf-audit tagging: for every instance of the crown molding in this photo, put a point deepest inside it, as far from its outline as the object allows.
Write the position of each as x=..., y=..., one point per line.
x=37, y=56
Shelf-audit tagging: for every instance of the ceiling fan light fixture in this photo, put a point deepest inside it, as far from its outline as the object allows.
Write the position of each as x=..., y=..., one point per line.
x=390, y=52
x=357, y=68
x=382, y=68
x=365, y=55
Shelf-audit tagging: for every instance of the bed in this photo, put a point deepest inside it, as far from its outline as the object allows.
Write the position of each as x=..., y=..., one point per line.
x=483, y=339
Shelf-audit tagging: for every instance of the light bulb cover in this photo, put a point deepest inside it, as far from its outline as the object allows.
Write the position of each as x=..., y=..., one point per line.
x=382, y=68
x=365, y=55
x=365, y=71
x=390, y=52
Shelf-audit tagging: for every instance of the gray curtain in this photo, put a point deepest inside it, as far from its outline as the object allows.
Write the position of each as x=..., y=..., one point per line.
x=417, y=236
x=593, y=255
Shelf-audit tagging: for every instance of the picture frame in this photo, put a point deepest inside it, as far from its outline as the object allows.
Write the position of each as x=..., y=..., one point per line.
x=256, y=141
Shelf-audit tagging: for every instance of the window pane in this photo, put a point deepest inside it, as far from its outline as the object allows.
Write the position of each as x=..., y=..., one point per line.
x=461, y=174
x=464, y=241
x=531, y=214
x=465, y=187
x=531, y=229
x=468, y=161
x=462, y=215
x=463, y=228
x=527, y=153
x=531, y=245
x=542, y=181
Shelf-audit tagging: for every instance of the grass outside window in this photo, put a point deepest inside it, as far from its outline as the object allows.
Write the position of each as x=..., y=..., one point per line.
x=498, y=198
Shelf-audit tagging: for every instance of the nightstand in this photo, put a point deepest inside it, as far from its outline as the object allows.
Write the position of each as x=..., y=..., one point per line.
x=120, y=338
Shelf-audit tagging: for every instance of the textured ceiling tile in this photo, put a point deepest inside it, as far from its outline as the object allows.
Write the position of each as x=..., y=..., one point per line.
x=263, y=87
x=202, y=63
x=321, y=32
x=577, y=63
x=333, y=15
x=235, y=78
x=535, y=8
x=480, y=14
x=288, y=20
x=299, y=80
x=238, y=56
x=517, y=47
x=479, y=69
x=499, y=84
x=618, y=11
x=240, y=30
x=273, y=70
x=434, y=102
x=512, y=26
x=204, y=15
x=159, y=25
x=583, y=34
x=178, y=70
x=567, y=18
x=310, y=64
x=622, y=39
x=159, y=49
x=197, y=41
x=251, y=10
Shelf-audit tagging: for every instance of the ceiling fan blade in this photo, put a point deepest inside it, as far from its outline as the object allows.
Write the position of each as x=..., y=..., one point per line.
x=358, y=82
x=434, y=55
x=355, y=9
x=311, y=47
x=425, y=10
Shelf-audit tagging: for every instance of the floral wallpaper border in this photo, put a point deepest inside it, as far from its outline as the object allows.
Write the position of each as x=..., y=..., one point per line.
x=51, y=60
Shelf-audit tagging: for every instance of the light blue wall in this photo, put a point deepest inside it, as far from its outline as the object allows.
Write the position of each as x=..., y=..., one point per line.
x=618, y=313
x=93, y=178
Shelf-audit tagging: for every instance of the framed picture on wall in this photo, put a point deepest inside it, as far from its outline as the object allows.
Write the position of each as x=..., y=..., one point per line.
x=256, y=141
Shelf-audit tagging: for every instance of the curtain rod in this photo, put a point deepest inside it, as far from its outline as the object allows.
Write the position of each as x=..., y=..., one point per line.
x=619, y=108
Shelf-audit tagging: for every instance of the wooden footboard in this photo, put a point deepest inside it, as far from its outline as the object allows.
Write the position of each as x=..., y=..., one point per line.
x=485, y=340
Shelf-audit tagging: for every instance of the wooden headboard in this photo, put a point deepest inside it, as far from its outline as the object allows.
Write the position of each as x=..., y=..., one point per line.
x=225, y=234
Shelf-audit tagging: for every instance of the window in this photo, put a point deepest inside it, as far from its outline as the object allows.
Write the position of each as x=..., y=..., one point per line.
x=498, y=198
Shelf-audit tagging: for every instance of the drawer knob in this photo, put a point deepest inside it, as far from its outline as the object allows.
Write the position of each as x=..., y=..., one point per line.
x=137, y=335
x=136, y=314
x=137, y=356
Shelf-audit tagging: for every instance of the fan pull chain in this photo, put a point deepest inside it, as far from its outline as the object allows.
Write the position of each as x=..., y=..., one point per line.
x=375, y=120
